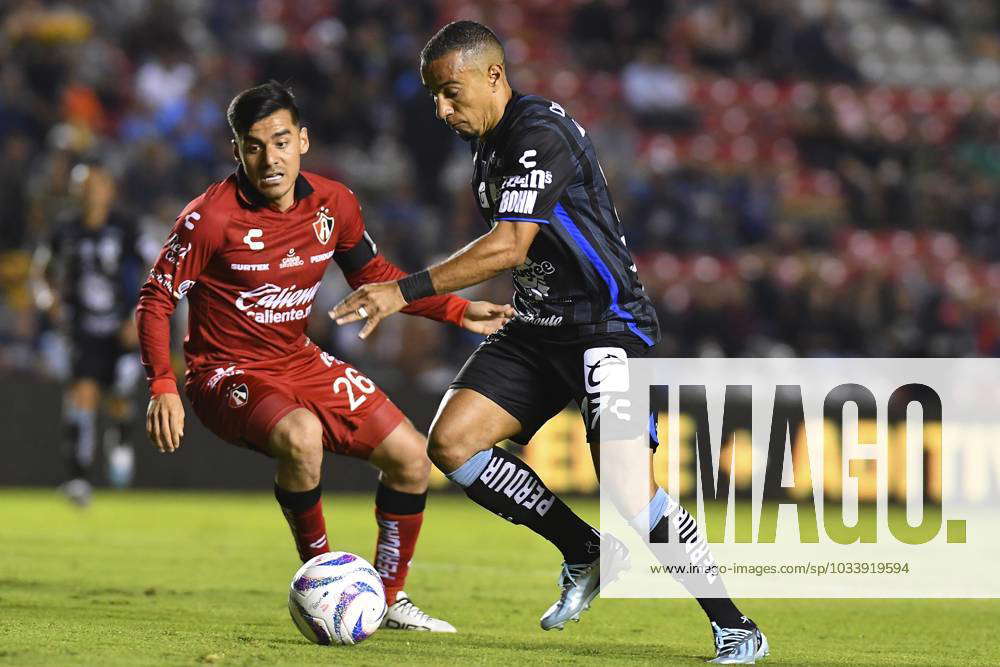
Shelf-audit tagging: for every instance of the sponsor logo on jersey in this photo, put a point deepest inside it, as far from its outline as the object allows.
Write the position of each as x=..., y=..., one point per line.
x=531, y=275
x=291, y=260
x=250, y=267
x=238, y=396
x=605, y=369
x=323, y=226
x=537, y=179
x=182, y=289
x=517, y=201
x=538, y=321
x=175, y=250
x=316, y=259
x=164, y=279
x=274, y=304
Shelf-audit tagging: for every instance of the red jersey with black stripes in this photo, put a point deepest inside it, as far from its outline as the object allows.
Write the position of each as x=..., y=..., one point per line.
x=250, y=275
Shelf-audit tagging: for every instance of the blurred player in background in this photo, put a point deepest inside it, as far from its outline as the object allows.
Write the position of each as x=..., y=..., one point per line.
x=249, y=255
x=86, y=276
x=580, y=313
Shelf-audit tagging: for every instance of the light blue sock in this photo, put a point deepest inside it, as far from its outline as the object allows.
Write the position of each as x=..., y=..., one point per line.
x=657, y=506
x=467, y=473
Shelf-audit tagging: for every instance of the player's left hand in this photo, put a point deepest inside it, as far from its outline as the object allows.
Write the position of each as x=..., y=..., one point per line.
x=483, y=317
x=372, y=302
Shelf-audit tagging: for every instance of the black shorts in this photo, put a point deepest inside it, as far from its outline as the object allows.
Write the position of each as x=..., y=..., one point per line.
x=104, y=360
x=533, y=377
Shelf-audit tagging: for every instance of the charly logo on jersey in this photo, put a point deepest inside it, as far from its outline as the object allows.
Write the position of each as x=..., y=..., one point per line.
x=323, y=226
x=526, y=160
x=531, y=276
x=274, y=304
x=251, y=239
x=238, y=396
x=605, y=369
x=290, y=260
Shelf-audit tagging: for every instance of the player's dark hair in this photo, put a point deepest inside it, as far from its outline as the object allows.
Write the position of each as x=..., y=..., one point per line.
x=459, y=36
x=259, y=102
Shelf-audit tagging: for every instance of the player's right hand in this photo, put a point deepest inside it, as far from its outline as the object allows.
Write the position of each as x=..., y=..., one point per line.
x=165, y=421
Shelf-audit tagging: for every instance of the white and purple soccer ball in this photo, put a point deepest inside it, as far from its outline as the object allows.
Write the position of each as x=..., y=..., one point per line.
x=337, y=598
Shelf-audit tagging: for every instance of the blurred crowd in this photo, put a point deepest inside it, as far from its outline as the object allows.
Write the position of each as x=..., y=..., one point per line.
x=797, y=177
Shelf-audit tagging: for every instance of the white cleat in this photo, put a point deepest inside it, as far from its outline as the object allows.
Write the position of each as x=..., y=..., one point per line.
x=582, y=582
x=738, y=646
x=404, y=615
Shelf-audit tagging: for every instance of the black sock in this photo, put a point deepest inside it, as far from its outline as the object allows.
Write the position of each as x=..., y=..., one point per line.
x=678, y=528
x=399, y=502
x=509, y=488
x=297, y=501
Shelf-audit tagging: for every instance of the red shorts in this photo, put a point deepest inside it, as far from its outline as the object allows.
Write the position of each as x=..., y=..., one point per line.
x=241, y=404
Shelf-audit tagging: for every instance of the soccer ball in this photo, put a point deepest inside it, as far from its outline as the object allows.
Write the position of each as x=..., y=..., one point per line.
x=337, y=598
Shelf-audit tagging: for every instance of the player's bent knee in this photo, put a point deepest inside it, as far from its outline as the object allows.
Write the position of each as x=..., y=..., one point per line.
x=411, y=471
x=298, y=437
x=449, y=447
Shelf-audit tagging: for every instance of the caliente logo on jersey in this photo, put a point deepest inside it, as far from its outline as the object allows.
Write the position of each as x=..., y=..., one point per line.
x=274, y=304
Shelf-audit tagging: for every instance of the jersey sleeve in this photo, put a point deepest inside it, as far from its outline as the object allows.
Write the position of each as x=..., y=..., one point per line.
x=187, y=250
x=538, y=166
x=358, y=257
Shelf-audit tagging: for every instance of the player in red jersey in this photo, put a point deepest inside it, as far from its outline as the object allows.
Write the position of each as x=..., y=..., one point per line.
x=249, y=255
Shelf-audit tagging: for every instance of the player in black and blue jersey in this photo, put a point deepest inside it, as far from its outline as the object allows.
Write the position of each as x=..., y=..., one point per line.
x=580, y=313
x=86, y=277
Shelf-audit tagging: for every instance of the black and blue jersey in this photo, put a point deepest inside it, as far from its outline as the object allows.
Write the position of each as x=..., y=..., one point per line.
x=538, y=165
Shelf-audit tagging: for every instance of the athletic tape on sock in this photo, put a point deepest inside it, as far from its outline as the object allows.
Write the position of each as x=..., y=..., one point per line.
x=467, y=473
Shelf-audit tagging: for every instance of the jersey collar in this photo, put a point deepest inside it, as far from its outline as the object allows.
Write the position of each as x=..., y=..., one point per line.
x=508, y=113
x=250, y=197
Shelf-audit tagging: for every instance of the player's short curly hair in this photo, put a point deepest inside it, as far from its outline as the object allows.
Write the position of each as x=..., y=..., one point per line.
x=460, y=36
x=259, y=102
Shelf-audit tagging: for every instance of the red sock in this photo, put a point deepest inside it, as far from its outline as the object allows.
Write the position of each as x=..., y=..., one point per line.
x=304, y=512
x=397, y=539
x=308, y=530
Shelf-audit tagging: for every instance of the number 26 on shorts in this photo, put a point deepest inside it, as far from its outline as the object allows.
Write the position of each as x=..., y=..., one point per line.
x=352, y=381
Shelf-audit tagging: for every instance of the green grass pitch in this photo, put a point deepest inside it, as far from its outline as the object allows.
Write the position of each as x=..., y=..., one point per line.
x=186, y=578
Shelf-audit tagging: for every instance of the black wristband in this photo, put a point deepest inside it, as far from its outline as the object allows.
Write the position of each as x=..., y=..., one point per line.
x=416, y=286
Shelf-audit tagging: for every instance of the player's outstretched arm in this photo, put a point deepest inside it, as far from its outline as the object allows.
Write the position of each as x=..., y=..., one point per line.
x=504, y=247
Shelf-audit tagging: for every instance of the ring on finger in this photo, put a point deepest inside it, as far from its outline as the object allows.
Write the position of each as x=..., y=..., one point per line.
x=362, y=312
